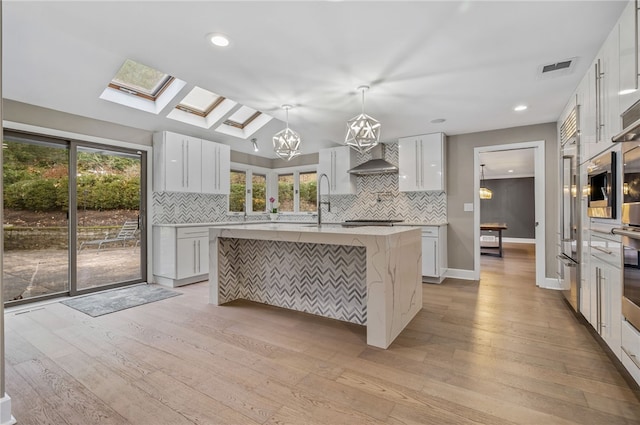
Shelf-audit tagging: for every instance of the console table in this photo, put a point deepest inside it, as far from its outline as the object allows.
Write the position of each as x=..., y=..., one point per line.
x=494, y=227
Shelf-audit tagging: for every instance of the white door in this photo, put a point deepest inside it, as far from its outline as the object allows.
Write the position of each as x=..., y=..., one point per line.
x=187, y=257
x=174, y=149
x=193, y=164
x=408, y=164
x=429, y=256
x=432, y=177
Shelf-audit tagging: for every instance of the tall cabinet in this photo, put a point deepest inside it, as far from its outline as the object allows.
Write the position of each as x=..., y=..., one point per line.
x=421, y=161
x=628, y=56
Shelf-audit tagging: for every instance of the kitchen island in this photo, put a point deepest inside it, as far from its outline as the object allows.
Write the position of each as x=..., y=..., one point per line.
x=365, y=275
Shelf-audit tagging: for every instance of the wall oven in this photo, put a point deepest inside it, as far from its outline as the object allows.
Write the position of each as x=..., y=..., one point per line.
x=601, y=183
x=631, y=278
x=631, y=184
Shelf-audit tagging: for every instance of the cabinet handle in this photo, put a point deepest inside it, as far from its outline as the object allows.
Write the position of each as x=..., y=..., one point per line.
x=598, y=302
x=218, y=163
x=606, y=251
x=198, y=256
x=417, y=166
x=187, y=164
x=435, y=255
x=633, y=357
x=421, y=164
x=195, y=270
x=333, y=169
x=635, y=40
x=599, y=120
x=183, y=164
x=597, y=101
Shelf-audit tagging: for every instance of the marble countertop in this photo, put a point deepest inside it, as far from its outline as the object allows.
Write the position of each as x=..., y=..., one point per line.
x=312, y=228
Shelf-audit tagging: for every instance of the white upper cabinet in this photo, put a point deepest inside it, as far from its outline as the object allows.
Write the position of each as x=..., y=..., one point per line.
x=177, y=163
x=335, y=163
x=628, y=57
x=188, y=164
x=216, y=168
x=599, y=101
x=421, y=161
x=611, y=122
x=586, y=115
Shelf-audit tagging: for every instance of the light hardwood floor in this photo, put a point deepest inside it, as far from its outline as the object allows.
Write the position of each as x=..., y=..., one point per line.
x=499, y=351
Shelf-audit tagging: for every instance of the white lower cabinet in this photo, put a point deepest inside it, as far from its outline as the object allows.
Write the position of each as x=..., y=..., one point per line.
x=181, y=255
x=434, y=253
x=606, y=289
x=631, y=350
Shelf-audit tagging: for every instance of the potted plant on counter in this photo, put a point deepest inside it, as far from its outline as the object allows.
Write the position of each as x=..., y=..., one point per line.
x=273, y=212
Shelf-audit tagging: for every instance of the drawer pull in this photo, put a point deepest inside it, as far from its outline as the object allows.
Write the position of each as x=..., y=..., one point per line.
x=606, y=251
x=633, y=357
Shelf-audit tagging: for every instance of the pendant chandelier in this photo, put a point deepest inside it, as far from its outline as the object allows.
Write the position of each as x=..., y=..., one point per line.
x=363, y=132
x=485, y=193
x=286, y=142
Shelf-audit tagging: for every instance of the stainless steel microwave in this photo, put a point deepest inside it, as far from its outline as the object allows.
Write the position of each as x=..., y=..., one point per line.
x=601, y=182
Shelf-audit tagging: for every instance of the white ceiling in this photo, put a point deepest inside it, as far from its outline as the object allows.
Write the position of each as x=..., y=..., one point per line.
x=514, y=163
x=469, y=62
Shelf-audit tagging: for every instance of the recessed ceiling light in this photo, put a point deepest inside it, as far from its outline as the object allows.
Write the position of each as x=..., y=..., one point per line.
x=438, y=121
x=511, y=171
x=219, y=40
x=520, y=108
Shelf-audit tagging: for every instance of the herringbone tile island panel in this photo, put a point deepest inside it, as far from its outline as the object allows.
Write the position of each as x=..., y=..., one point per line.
x=328, y=280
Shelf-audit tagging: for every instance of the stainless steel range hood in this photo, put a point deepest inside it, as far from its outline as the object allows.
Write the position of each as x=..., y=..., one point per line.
x=377, y=165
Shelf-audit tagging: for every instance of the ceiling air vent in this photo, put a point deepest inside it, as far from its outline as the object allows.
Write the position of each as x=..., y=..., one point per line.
x=556, y=69
x=556, y=66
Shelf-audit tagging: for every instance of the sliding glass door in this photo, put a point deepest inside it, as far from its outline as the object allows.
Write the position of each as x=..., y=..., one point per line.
x=36, y=225
x=108, y=205
x=73, y=217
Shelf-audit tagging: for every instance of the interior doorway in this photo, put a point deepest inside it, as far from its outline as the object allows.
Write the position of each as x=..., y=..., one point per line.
x=536, y=148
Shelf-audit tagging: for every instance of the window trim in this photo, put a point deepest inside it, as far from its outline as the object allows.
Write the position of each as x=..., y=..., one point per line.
x=242, y=125
x=153, y=97
x=249, y=171
x=296, y=171
x=199, y=113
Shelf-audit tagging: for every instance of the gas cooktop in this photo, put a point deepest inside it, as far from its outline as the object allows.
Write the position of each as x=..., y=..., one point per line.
x=370, y=222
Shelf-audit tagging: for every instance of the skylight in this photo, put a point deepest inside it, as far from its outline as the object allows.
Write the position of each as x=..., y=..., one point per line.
x=141, y=87
x=140, y=80
x=242, y=117
x=200, y=102
x=243, y=122
x=202, y=108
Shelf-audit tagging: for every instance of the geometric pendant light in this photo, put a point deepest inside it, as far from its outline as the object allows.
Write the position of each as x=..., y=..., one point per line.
x=363, y=132
x=485, y=193
x=286, y=143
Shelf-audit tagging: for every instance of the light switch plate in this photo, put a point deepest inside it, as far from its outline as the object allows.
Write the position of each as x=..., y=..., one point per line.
x=468, y=207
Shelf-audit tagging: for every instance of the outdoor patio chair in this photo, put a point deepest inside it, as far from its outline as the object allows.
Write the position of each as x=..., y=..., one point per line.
x=126, y=233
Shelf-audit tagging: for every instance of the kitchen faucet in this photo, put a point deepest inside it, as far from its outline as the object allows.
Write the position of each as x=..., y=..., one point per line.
x=319, y=200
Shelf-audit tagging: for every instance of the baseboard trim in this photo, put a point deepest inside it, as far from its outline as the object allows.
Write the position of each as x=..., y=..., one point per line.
x=461, y=274
x=6, y=418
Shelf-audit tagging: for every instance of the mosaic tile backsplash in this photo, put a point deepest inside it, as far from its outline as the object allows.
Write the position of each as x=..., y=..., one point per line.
x=377, y=198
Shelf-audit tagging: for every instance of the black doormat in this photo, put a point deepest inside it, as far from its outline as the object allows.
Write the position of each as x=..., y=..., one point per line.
x=119, y=299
